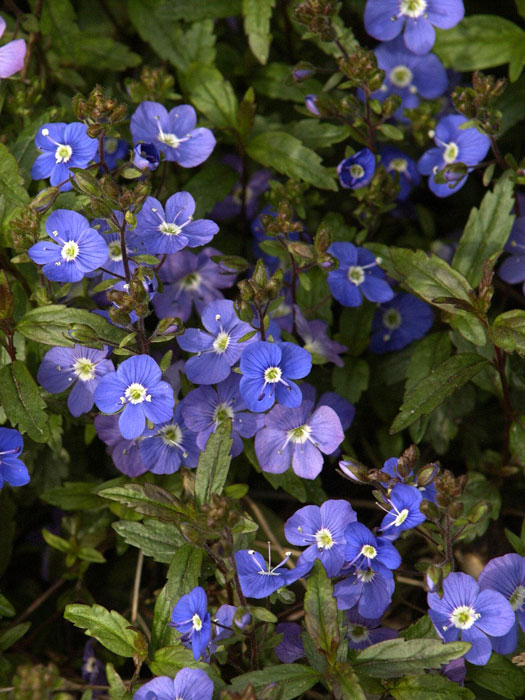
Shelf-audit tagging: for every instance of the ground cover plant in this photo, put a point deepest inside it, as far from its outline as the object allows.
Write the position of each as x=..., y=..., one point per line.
x=261, y=349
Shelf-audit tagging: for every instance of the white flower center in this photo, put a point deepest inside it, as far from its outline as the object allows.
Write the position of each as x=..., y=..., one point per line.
x=171, y=435
x=401, y=517
x=191, y=282
x=136, y=393
x=356, y=275
x=115, y=251
x=412, y=8
x=324, y=539
x=464, y=616
x=369, y=551
x=365, y=576
x=69, y=251
x=196, y=622
x=222, y=412
x=517, y=599
x=169, y=139
x=299, y=435
x=63, y=153
x=221, y=342
x=357, y=633
x=84, y=369
x=400, y=76
x=450, y=153
x=391, y=319
x=170, y=229
x=356, y=171
x=400, y=165
x=272, y=375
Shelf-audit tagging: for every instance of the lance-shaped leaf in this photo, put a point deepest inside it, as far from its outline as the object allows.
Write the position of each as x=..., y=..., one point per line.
x=147, y=499
x=431, y=391
x=214, y=463
x=109, y=628
x=344, y=683
x=159, y=540
x=22, y=402
x=292, y=680
x=397, y=657
x=257, y=15
x=320, y=611
x=486, y=231
x=429, y=687
x=508, y=331
x=12, y=634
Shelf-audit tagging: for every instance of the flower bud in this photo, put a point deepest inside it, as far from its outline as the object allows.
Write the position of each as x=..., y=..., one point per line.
x=479, y=512
x=455, y=510
x=44, y=199
x=427, y=474
x=310, y=104
x=146, y=156
x=354, y=470
x=429, y=509
x=434, y=578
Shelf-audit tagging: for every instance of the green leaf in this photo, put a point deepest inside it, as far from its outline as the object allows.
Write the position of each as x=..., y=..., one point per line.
x=429, y=687
x=257, y=15
x=6, y=609
x=510, y=104
x=183, y=576
x=352, y=379
x=195, y=10
x=397, y=657
x=22, y=402
x=55, y=541
x=11, y=186
x=73, y=495
x=275, y=81
x=315, y=134
x=285, y=153
x=517, y=438
x=508, y=331
x=51, y=325
x=217, y=101
x=156, y=539
x=320, y=611
x=169, y=660
x=486, y=231
x=423, y=628
x=344, y=683
x=292, y=680
x=440, y=383
x=11, y=635
x=117, y=687
x=147, y=499
x=428, y=353
x=211, y=185
x=500, y=676
x=481, y=41
x=214, y=464
x=108, y=627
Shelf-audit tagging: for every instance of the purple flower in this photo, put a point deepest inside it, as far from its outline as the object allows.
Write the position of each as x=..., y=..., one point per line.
x=75, y=250
x=404, y=514
x=12, y=469
x=310, y=102
x=466, y=611
x=259, y=581
x=189, y=280
x=506, y=575
x=231, y=205
x=290, y=648
x=146, y=156
x=225, y=616
x=298, y=436
x=344, y=409
x=62, y=146
x=398, y=322
x=191, y=618
x=369, y=589
x=136, y=388
x=512, y=270
x=188, y=684
x=395, y=161
x=364, y=551
x=316, y=340
x=386, y=19
x=169, y=445
x=78, y=367
x=219, y=348
x=357, y=171
x=173, y=133
x=322, y=529
x=362, y=632
x=12, y=54
x=267, y=370
x=114, y=150
x=93, y=669
x=124, y=453
x=205, y=408
x=169, y=231
x=453, y=145
x=409, y=76
x=358, y=275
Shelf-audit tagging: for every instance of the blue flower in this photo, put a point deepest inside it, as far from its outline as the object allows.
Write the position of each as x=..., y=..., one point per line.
x=395, y=161
x=257, y=580
x=512, y=270
x=191, y=618
x=386, y=19
x=12, y=469
x=364, y=551
x=298, y=436
x=219, y=348
x=369, y=589
x=75, y=250
x=404, y=513
x=398, y=322
x=310, y=102
x=137, y=389
x=78, y=367
x=231, y=205
x=322, y=529
x=173, y=133
x=188, y=684
x=146, y=156
x=391, y=467
x=357, y=171
x=63, y=146
x=169, y=231
x=466, y=611
x=409, y=76
x=506, y=575
x=114, y=150
x=362, y=632
x=114, y=266
x=124, y=453
x=169, y=445
x=358, y=275
x=12, y=54
x=453, y=145
x=267, y=370
x=290, y=648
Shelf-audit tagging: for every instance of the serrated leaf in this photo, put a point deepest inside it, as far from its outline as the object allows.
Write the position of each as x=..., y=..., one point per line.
x=108, y=627
x=156, y=539
x=169, y=660
x=320, y=611
x=195, y=10
x=216, y=99
x=285, y=153
x=292, y=680
x=508, y=331
x=486, y=231
x=11, y=185
x=441, y=382
x=147, y=499
x=429, y=687
x=22, y=402
x=214, y=464
x=257, y=15
x=397, y=657
x=500, y=676
x=315, y=134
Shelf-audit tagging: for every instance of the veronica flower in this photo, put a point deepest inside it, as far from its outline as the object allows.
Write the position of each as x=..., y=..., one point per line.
x=259, y=580
x=93, y=669
x=358, y=275
x=369, y=589
x=114, y=265
x=364, y=551
x=506, y=575
x=399, y=322
x=362, y=632
x=316, y=340
x=395, y=161
x=298, y=436
x=173, y=133
x=512, y=270
x=470, y=613
x=188, y=684
x=146, y=156
x=114, y=150
x=231, y=205
x=191, y=618
x=170, y=230
x=404, y=514
x=136, y=389
x=357, y=171
x=124, y=453
x=291, y=647
x=390, y=467
x=218, y=348
x=267, y=370
x=12, y=469
x=75, y=248
x=225, y=617
x=62, y=146
x=386, y=19
x=12, y=54
x=169, y=445
x=322, y=529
